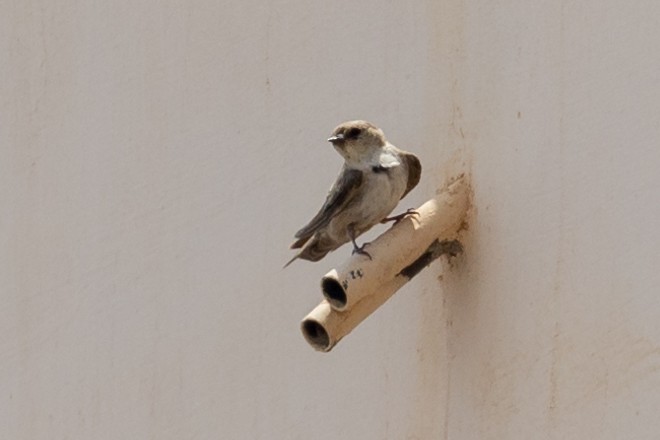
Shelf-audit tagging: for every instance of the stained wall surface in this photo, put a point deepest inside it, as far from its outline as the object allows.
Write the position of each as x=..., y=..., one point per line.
x=156, y=158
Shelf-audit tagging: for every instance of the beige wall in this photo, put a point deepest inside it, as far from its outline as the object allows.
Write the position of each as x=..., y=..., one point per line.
x=555, y=327
x=157, y=156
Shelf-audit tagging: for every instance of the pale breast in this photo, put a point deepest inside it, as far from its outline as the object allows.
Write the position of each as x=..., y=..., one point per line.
x=381, y=192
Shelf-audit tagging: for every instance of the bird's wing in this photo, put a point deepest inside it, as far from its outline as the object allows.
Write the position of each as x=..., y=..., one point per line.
x=340, y=194
x=414, y=171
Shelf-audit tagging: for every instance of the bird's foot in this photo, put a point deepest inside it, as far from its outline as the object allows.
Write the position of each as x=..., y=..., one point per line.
x=360, y=250
x=397, y=218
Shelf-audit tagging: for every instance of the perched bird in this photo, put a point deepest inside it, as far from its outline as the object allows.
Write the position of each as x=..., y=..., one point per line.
x=375, y=176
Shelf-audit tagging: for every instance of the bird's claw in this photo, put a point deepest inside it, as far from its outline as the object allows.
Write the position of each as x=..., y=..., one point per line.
x=397, y=218
x=360, y=250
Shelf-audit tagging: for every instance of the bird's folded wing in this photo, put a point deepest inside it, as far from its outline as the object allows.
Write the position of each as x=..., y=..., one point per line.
x=340, y=194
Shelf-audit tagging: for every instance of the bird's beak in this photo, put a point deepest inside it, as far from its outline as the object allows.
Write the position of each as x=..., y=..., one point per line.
x=337, y=138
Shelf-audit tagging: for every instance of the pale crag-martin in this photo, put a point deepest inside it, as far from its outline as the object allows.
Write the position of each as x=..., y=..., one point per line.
x=374, y=177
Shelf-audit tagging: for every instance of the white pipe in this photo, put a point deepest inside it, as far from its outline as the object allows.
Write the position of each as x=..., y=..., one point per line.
x=325, y=326
x=440, y=217
x=360, y=286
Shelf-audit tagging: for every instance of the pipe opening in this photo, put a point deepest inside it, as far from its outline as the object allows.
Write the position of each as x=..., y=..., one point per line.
x=334, y=292
x=316, y=335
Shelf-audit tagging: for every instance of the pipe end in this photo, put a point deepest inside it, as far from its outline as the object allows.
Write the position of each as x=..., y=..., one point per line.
x=334, y=293
x=316, y=335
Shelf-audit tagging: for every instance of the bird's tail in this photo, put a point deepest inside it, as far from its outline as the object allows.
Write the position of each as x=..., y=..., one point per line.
x=295, y=257
x=314, y=250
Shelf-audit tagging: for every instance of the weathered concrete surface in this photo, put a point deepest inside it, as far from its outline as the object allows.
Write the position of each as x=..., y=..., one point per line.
x=156, y=158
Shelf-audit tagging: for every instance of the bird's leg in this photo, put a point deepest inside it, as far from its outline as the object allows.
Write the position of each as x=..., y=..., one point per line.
x=357, y=249
x=397, y=218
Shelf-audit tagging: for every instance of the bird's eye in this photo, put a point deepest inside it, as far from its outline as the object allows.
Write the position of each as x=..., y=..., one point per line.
x=353, y=133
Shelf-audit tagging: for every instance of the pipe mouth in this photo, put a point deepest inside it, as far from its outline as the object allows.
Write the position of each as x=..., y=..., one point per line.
x=316, y=335
x=334, y=292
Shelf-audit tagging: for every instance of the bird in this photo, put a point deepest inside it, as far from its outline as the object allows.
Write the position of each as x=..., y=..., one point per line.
x=374, y=177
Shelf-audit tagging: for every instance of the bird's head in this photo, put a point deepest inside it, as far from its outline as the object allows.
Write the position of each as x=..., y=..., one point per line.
x=357, y=141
